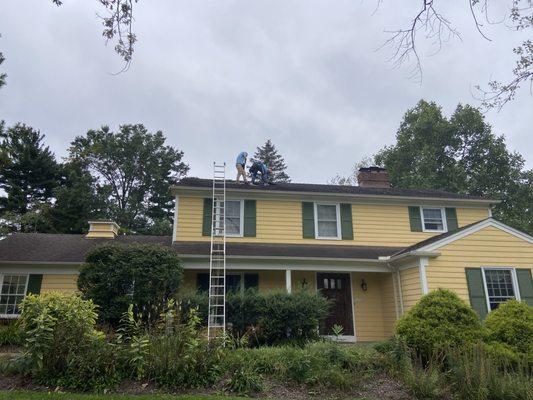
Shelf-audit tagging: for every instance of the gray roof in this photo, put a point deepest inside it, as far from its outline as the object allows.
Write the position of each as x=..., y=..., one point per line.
x=339, y=189
x=50, y=247
x=63, y=248
x=288, y=250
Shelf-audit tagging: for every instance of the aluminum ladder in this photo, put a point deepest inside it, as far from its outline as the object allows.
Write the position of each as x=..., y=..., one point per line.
x=216, y=323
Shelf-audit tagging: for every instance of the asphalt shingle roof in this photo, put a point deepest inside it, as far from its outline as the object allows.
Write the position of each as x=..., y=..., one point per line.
x=61, y=248
x=340, y=189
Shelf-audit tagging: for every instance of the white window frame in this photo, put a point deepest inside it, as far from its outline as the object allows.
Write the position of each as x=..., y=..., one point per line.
x=514, y=281
x=443, y=213
x=241, y=222
x=12, y=316
x=338, y=216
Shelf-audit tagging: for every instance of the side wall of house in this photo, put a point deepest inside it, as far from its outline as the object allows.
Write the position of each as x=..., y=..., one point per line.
x=280, y=221
x=489, y=247
x=410, y=287
x=65, y=283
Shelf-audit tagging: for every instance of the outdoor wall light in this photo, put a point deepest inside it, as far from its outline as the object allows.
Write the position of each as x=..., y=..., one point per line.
x=364, y=286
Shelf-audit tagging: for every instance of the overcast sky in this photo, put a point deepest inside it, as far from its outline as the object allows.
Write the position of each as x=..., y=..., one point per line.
x=222, y=76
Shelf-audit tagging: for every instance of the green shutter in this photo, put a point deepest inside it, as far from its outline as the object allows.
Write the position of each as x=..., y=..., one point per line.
x=414, y=219
x=476, y=291
x=202, y=281
x=208, y=212
x=525, y=285
x=451, y=219
x=251, y=281
x=249, y=218
x=34, y=284
x=346, y=222
x=308, y=220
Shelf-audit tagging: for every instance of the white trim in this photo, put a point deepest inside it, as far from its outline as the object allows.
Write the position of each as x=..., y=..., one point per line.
x=352, y=300
x=514, y=281
x=443, y=217
x=12, y=316
x=176, y=212
x=281, y=267
x=475, y=228
x=490, y=212
x=288, y=280
x=338, y=217
x=424, y=261
x=321, y=259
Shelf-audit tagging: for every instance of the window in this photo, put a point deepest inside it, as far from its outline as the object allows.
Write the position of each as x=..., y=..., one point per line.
x=234, y=218
x=12, y=293
x=235, y=281
x=327, y=221
x=433, y=219
x=500, y=285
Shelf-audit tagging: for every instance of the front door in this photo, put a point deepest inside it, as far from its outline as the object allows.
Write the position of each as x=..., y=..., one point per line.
x=337, y=288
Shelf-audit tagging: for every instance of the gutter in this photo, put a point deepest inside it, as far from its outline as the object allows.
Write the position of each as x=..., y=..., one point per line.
x=409, y=254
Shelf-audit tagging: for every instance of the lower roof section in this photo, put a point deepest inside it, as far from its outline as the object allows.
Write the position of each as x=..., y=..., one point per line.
x=287, y=251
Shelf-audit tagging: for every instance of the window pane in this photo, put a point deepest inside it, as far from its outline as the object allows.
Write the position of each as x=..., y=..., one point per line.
x=233, y=283
x=12, y=293
x=433, y=219
x=326, y=212
x=499, y=286
x=326, y=283
x=233, y=217
x=327, y=229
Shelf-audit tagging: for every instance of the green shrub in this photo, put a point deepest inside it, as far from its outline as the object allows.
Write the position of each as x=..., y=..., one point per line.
x=511, y=324
x=192, y=299
x=243, y=309
x=424, y=383
x=244, y=379
x=10, y=334
x=439, y=320
x=143, y=275
x=293, y=316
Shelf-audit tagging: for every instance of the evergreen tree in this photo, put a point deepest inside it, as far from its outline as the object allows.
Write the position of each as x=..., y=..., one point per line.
x=268, y=154
x=29, y=175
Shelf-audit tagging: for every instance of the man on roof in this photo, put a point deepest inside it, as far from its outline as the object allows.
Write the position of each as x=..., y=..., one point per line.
x=240, y=164
x=257, y=168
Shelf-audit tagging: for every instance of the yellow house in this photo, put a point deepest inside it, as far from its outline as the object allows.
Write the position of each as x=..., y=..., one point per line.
x=373, y=249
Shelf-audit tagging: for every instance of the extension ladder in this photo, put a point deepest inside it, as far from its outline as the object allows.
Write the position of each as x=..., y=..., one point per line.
x=216, y=323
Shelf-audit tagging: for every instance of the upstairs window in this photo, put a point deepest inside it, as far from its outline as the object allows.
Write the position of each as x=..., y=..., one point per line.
x=327, y=221
x=433, y=219
x=234, y=218
x=12, y=293
x=499, y=285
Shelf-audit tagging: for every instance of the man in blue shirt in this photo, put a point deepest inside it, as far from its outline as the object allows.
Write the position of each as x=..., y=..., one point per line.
x=259, y=168
x=240, y=163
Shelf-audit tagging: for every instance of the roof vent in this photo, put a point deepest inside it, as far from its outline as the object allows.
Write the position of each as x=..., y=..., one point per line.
x=373, y=177
x=102, y=229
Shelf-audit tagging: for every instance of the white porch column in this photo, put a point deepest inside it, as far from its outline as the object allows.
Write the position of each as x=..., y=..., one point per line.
x=288, y=280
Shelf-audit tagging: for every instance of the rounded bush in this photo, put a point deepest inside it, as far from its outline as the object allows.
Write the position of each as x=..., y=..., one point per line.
x=440, y=319
x=511, y=324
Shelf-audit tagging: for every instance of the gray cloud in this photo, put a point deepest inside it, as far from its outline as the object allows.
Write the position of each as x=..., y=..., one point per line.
x=219, y=77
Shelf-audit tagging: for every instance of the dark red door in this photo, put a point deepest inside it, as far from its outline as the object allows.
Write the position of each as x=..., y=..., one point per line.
x=337, y=288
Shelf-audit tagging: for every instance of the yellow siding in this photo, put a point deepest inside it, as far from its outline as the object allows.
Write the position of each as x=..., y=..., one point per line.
x=281, y=221
x=59, y=283
x=411, y=288
x=487, y=247
x=301, y=279
x=388, y=304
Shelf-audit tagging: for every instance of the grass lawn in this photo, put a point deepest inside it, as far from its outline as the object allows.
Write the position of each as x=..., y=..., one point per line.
x=22, y=395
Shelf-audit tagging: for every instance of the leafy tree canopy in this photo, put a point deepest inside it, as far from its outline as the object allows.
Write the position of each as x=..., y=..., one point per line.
x=135, y=169
x=269, y=155
x=459, y=154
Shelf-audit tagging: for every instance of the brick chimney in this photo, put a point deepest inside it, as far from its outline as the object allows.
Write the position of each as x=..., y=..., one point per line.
x=102, y=229
x=373, y=177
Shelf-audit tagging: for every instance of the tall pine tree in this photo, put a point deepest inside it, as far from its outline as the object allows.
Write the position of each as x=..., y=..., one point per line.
x=268, y=154
x=29, y=175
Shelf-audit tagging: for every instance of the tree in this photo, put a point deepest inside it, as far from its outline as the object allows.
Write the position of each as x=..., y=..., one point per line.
x=351, y=180
x=78, y=200
x=268, y=154
x=3, y=76
x=114, y=277
x=459, y=154
x=30, y=174
x=434, y=25
x=136, y=169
